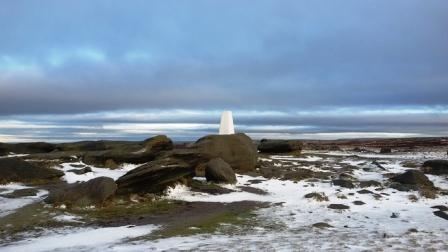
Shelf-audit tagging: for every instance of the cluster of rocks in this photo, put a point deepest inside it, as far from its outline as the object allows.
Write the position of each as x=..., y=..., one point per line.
x=215, y=157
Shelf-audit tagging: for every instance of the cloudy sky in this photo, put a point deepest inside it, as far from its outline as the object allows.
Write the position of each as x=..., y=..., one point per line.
x=92, y=69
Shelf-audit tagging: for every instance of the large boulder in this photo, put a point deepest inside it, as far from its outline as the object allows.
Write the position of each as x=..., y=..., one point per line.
x=217, y=170
x=158, y=143
x=93, y=192
x=237, y=150
x=413, y=180
x=279, y=146
x=436, y=167
x=18, y=170
x=156, y=176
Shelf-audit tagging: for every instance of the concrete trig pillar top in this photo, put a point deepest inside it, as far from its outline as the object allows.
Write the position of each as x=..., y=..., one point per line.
x=226, y=127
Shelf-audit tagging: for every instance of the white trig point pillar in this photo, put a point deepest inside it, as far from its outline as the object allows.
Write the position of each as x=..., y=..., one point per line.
x=226, y=126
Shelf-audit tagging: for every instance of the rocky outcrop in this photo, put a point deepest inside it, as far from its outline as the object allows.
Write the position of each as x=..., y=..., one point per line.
x=279, y=146
x=158, y=143
x=237, y=150
x=93, y=192
x=436, y=167
x=217, y=170
x=156, y=176
x=37, y=147
x=18, y=170
x=411, y=180
x=147, y=151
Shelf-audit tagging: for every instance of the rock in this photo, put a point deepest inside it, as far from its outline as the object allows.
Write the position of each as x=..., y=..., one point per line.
x=299, y=174
x=316, y=196
x=111, y=164
x=369, y=183
x=338, y=206
x=210, y=188
x=441, y=207
x=253, y=190
x=158, y=143
x=343, y=183
x=377, y=164
x=413, y=177
x=403, y=187
x=155, y=176
x=358, y=203
x=364, y=191
x=27, y=192
x=346, y=176
x=217, y=170
x=441, y=214
x=256, y=181
x=279, y=146
x=81, y=171
x=395, y=215
x=322, y=225
x=18, y=170
x=385, y=150
x=143, y=152
x=93, y=192
x=436, y=167
x=77, y=165
x=237, y=150
x=412, y=230
x=409, y=164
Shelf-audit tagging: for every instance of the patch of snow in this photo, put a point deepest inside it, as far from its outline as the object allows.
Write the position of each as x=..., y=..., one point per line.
x=291, y=158
x=71, y=177
x=9, y=205
x=11, y=154
x=67, y=218
x=99, y=239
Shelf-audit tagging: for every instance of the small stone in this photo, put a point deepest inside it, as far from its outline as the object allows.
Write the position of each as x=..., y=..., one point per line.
x=338, y=206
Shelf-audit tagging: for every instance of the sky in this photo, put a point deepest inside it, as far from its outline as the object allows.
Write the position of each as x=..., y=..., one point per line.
x=312, y=69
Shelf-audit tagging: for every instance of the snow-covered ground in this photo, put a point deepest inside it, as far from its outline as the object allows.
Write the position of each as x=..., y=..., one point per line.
x=365, y=227
x=82, y=239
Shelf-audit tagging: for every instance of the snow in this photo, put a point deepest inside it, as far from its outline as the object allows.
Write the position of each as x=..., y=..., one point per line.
x=371, y=221
x=67, y=218
x=401, y=155
x=291, y=158
x=89, y=239
x=71, y=177
x=11, y=154
x=8, y=205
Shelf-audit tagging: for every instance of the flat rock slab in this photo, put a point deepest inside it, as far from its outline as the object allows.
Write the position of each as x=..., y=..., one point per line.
x=28, y=192
x=252, y=190
x=338, y=206
x=440, y=207
x=441, y=214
